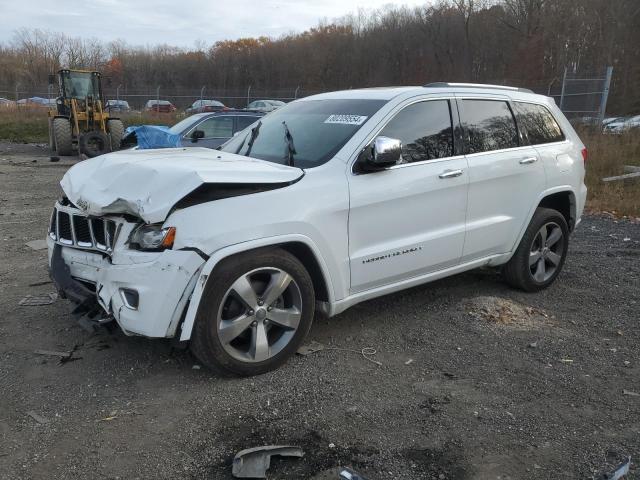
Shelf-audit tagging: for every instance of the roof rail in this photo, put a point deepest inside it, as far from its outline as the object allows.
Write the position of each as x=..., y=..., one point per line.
x=476, y=85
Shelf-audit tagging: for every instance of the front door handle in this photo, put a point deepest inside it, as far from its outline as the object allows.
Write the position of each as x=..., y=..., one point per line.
x=527, y=161
x=450, y=174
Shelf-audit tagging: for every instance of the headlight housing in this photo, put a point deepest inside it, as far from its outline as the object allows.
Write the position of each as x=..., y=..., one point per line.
x=152, y=237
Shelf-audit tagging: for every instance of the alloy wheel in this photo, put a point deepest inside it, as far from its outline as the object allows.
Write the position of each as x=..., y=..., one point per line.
x=546, y=252
x=259, y=314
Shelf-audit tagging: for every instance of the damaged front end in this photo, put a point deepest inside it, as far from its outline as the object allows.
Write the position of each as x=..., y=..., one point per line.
x=93, y=265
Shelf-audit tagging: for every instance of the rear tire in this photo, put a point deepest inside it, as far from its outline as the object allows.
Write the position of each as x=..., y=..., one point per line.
x=115, y=128
x=52, y=143
x=257, y=331
x=94, y=143
x=541, y=253
x=62, y=136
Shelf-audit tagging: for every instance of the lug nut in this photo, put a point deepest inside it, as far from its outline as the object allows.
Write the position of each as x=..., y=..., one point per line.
x=254, y=324
x=269, y=309
x=266, y=321
x=260, y=302
x=250, y=312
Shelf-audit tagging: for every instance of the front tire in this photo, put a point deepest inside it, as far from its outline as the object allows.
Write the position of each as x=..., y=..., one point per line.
x=541, y=253
x=62, y=136
x=255, y=312
x=115, y=128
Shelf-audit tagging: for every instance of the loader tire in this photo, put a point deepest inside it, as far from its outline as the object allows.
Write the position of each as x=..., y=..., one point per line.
x=115, y=128
x=52, y=143
x=62, y=136
x=94, y=143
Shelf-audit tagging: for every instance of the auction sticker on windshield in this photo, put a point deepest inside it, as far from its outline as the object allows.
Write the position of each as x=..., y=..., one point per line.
x=346, y=119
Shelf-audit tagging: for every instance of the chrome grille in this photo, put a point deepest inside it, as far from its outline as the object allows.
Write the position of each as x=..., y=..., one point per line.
x=80, y=231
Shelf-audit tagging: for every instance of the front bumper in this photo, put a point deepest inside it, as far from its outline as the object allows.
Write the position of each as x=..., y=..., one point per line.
x=163, y=281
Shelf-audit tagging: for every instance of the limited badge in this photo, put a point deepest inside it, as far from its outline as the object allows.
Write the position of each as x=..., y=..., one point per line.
x=346, y=119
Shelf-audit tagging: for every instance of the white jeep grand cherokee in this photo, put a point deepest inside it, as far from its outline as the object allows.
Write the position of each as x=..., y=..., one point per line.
x=329, y=201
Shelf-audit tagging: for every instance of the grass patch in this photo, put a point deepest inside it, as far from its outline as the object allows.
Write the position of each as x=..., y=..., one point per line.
x=607, y=156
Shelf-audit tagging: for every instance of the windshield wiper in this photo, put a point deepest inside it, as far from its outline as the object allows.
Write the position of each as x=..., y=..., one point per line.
x=254, y=133
x=291, y=150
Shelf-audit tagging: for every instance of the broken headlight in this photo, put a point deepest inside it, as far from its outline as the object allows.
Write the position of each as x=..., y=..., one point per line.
x=152, y=237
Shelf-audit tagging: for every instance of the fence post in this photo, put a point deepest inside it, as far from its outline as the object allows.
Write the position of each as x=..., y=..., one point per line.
x=248, y=95
x=158, y=99
x=295, y=95
x=17, y=85
x=564, y=81
x=201, y=94
x=118, y=94
x=605, y=95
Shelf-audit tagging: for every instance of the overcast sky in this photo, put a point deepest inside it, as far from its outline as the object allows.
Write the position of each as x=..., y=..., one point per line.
x=175, y=22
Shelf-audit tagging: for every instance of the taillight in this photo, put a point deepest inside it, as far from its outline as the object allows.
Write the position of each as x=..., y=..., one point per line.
x=585, y=154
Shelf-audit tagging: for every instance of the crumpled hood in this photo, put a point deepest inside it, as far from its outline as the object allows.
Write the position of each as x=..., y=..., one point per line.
x=148, y=183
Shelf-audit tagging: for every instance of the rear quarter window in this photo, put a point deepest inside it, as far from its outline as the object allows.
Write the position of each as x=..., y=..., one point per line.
x=488, y=125
x=537, y=124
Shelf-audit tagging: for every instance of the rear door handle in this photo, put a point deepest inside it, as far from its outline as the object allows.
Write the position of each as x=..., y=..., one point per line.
x=526, y=161
x=450, y=174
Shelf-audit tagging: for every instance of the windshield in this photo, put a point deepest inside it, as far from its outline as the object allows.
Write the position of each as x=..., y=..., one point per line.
x=182, y=125
x=80, y=84
x=318, y=128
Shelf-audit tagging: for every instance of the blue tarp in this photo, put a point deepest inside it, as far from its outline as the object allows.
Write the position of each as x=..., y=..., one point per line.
x=154, y=136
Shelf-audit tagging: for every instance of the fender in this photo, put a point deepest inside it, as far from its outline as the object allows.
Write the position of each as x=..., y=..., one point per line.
x=545, y=193
x=217, y=256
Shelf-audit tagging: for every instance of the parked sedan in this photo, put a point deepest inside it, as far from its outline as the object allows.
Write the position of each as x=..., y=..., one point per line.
x=6, y=103
x=119, y=106
x=622, y=124
x=265, y=105
x=201, y=106
x=213, y=129
x=208, y=130
x=159, y=106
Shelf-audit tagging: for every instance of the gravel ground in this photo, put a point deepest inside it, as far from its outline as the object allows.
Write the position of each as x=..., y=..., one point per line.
x=476, y=381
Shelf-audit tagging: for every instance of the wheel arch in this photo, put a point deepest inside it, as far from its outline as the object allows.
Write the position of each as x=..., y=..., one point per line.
x=561, y=198
x=300, y=246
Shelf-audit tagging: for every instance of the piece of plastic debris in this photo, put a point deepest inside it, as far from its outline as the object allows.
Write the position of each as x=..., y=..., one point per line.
x=626, y=239
x=348, y=474
x=312, y=347
x=630, y=393
x=195, y=367
x=620, y=471
x=409, y=362
x=38, y=300
x=254, y=462
x=38, y=418
x=37, y=244
x=332, y=445
x=566, y=360
x=533, y=345
x=53, y=353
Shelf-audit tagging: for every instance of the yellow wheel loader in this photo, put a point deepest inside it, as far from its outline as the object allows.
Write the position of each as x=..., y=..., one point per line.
x=78, y=121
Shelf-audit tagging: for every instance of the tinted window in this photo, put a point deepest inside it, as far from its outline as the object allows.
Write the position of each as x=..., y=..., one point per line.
x=489, y=125
x=318, y=128
x=424, y=129
x=245, y=121
x=217, y=127
x=537, y=124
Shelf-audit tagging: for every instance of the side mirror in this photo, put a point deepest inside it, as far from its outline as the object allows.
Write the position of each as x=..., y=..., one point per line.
x=385, y=152
x=52, y=79
x=196, y=135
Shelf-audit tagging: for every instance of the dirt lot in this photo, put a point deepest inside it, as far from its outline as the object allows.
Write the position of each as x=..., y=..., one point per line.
x=476, y=381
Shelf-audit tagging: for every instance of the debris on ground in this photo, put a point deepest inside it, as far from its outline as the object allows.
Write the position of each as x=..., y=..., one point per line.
x=409, y=362
x=38, y=418
x=37, y=244
x=630, y=393
x=505, y=312
x=348, y=474
x=53, y=353
x=38, y=300
x=254, y=462
x=54, y=158
x=39, y=284
x=312, y=347
x=620, y=472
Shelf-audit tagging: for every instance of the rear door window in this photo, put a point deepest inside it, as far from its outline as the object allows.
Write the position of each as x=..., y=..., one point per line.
x=244, y=121
x=217, y=127
x=537, y=124
x=488, y=125
x=425, y=130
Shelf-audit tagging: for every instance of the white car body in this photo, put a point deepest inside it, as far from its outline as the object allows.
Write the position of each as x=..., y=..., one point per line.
x=367, y=235
x=622, y=125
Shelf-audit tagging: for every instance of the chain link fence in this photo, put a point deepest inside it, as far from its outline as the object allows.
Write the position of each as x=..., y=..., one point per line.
x=582, y=98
